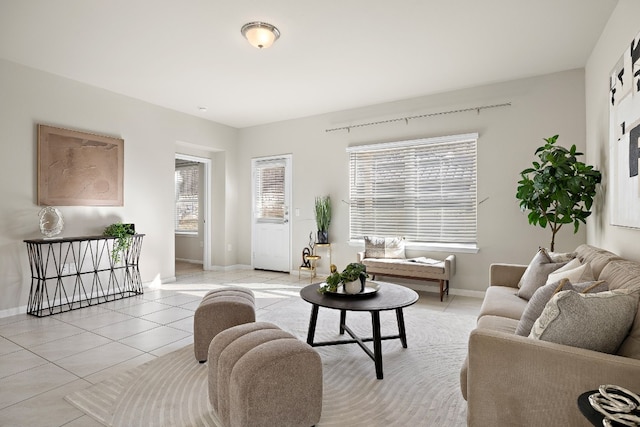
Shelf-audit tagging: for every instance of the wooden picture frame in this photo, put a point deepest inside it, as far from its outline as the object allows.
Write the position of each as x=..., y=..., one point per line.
x=79, y=168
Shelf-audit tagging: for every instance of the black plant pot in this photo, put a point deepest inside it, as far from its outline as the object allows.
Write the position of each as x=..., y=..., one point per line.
x=323, y=237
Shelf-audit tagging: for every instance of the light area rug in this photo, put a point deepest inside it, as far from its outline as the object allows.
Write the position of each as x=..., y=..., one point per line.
x=420, y=385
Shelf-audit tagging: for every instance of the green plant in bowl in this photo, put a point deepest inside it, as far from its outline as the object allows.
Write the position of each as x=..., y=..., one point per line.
x=353, y=271
x=123, y=234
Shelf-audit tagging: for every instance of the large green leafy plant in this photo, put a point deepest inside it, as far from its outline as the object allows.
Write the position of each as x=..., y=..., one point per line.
x=558, y=189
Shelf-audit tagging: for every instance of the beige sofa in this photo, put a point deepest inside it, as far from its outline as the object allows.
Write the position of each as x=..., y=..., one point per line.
x=512, y=380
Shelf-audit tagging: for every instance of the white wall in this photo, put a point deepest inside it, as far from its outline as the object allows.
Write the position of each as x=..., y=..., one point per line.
x=622, y=27
x=29, y=97
x=541, y=107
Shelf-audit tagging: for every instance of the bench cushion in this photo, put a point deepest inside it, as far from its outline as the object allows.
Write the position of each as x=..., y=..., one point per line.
x=399, y=267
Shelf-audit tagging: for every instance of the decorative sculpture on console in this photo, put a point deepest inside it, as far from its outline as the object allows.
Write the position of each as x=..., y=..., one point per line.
x=51, y=222
x=308, y=251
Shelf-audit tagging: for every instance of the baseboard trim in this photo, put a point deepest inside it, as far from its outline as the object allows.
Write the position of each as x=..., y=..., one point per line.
x=190, y=261
x=7, y=312
x=436, y=289
x=172, y=279
x=233, y=267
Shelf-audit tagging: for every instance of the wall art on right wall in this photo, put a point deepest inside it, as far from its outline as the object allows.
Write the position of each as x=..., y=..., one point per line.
x=624, y=138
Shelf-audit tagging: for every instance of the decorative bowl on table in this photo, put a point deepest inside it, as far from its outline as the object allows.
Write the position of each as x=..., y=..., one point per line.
x=370, y=289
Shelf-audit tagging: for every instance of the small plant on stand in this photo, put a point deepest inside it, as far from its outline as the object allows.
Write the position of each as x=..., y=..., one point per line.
x=323, y=218
x=123, y=234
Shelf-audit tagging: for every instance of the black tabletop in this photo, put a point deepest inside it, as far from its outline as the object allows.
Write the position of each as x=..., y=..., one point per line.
x=389, y=297
x=591, y=414
x=72, y=239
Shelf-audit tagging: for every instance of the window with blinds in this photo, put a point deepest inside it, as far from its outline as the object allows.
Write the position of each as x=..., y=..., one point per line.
x=187, y=201
x=269, y=191
x=424, y=190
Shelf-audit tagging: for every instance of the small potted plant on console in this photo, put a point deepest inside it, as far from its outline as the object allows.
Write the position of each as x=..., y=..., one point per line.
x=123, y=234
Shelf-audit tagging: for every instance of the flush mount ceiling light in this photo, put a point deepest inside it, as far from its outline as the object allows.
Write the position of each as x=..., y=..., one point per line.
x=260, y=34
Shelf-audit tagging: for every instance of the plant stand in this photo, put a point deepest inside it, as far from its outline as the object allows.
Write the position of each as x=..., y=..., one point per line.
x=313, y=259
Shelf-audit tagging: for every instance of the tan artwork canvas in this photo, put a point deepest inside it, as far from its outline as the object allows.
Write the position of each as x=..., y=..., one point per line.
x=79, y=168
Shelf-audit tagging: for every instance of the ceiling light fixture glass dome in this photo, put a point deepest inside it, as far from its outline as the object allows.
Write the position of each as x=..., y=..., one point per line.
x=260, y=34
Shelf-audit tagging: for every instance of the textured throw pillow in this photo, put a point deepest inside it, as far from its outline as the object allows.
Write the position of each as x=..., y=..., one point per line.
x=542, y=295
x=591, y=287
x=383, y=247
x=573, y=271
x=599, y=321
x=536, y=274
x=562, y=256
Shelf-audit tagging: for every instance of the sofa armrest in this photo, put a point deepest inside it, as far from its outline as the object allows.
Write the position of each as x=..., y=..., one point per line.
x=505, y=274
x=514, y=380
x=450, y=266
x=360, y=256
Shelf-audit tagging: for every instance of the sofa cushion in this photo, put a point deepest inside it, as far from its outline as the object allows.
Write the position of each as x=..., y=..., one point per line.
x=498, y=323
x=597, y=258
x=630, y=347
x=598, y=321
x=536, y=273
x=383, y=247
x=502, y=301
x=542, y=295
x=574, y=271
x=622, y=274
x=625, y=274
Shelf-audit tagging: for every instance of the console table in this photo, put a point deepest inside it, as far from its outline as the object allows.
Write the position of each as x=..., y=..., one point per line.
x=75, y=272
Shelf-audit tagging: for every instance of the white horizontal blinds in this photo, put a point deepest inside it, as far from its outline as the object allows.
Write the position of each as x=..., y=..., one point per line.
x=424, y=190
x=187, y=188
x=270, y=196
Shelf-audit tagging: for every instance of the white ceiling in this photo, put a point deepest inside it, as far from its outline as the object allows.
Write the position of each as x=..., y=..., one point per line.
x=333, y=54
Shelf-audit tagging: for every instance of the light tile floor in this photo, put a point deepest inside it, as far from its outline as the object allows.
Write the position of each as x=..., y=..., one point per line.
x=44, y=359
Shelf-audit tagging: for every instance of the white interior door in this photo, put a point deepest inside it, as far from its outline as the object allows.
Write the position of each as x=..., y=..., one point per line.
x=271, y=229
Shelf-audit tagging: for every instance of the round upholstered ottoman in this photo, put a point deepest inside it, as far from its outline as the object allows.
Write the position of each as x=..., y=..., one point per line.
x=260, y=375
x=220, y=309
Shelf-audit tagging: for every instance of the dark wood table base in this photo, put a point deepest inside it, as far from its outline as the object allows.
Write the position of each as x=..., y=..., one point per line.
x=388, y=297
x=376, y=354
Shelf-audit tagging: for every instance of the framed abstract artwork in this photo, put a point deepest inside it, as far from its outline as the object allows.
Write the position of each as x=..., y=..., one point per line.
x=624, y=139
x=79, y=169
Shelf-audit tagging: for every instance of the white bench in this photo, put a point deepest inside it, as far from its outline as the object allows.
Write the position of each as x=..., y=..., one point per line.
x=413, y=268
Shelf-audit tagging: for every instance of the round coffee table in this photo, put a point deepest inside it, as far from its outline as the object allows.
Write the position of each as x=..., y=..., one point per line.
x=388, y=297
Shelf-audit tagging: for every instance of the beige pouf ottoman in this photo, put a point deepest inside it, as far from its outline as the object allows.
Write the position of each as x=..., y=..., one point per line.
x=260, y=375
x=220, y=309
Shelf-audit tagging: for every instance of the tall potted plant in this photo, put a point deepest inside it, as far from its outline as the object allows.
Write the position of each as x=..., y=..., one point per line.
x=323, y=218
x=558, y=189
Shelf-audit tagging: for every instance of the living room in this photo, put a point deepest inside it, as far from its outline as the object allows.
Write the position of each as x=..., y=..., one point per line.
x=571, y=102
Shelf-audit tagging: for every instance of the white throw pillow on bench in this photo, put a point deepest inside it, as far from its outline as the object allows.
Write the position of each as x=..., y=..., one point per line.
x=384, y=247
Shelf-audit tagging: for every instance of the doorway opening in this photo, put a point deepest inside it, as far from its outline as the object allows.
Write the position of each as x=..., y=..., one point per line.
x=192, y=214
